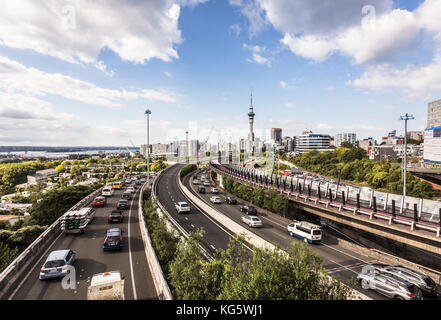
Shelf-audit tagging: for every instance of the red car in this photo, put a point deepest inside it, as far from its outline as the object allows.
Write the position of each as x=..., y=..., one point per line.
x=99, y=202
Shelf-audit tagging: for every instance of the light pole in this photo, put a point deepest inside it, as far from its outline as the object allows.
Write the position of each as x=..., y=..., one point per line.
x=148, y=113
x=405, y=117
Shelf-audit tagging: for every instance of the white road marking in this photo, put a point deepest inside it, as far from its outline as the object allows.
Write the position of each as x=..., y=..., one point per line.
x=343, y=266
x=212, y=247
x=130, y=253
x=192, y=226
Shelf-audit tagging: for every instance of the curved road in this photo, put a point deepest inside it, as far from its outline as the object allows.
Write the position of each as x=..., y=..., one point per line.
x=90, y=259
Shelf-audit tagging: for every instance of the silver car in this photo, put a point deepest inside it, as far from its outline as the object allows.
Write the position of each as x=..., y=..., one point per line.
x=392, y=286
x=56, y=265
x=420, y=279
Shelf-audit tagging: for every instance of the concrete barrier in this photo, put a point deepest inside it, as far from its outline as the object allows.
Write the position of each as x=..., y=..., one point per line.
x=161, y=285
x=249, y=236
x=10, y=277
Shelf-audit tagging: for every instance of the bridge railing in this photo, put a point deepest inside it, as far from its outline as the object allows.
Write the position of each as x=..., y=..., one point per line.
x=10, y=276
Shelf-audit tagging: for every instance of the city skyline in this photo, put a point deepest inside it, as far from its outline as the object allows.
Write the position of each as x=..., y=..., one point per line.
x=82, y=80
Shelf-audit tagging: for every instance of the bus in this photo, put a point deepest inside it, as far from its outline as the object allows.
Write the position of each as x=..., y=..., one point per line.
x=305, y=231
x=117, y=185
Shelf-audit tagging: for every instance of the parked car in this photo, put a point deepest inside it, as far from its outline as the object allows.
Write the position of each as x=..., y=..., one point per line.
x=99, y=202
x=231, y=200
x=113, y=239
x=122, y=204
x=421, y=280
x=201, y=189
x=250, y=210
x=214, y=190
x=252, y=221
x=392, y=287
x=215, y=199
x=56, y=264
x=115, y=216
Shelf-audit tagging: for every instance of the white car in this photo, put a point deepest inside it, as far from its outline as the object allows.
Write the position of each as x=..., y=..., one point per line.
x=182, y=207
x=130, y=189
x=206, y=183
x=252, y=221
x=107, y=191
x=216, y=199
x=214, y=190
x=195, y=181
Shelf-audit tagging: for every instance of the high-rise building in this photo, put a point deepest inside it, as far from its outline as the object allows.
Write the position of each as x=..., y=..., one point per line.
x=251, y=115
x=288, y=143
x=311, y=141
x=345, y=137
x=432, y=134
x=276, y=135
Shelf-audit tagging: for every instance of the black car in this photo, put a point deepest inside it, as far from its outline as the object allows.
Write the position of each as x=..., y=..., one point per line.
x=248, y=210
x=115, y=216
x=123, y=204
x=127, y=196
x=201, y=189
x=231, y=200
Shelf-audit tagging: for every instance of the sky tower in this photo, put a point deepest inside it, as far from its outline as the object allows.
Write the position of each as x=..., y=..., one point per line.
x=251, y=117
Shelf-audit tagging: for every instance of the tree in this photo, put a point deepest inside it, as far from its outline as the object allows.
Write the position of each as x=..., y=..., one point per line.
x=7, y=255
x=347, y=144
x=60, y=168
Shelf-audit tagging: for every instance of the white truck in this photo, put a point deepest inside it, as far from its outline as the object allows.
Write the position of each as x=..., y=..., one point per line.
x=106, y=286
x=182, y=207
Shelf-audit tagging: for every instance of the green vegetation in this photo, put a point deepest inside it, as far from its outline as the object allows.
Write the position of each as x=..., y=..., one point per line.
x=356, y=167
x=235, y=273
x=12, y=174
x=7, y=255
x=158, y=165
x=266, y=199
x=187, y=169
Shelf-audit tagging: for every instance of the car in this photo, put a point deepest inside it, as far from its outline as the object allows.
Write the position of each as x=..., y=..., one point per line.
x=196, y=181
x=123, y=204
x=115, y=216
x=206, y=183
x=215, y=199
x=182, y=207
x=427, y=286
x=113, y=240
x=393, y=287
x=117, y=185
x=137, y=182
x=143, y=180
x=231, y=200
x=214, y=190
x=99, y=202
x=252, y=221
x=107, y=191
x=128, y=181
x=250, y=210
x=201, y=189
x=127, y=195
x=57, y=264
x=133, y=185
x=130, y=189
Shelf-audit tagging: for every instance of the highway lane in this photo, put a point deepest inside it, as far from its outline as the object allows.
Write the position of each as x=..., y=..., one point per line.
x=169, y=193
x=91, y=259
x=339, y=262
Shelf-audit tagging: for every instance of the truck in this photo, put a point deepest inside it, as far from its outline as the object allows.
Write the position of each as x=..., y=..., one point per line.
x=76, y=221
x=106, y=286
x=182, y=207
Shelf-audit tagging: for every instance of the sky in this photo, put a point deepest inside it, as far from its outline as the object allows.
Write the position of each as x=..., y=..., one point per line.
x=82, y=73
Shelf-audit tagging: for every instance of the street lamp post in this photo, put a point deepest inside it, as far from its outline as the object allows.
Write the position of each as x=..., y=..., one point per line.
x=148, y=113
x=188, y=150
x=405, y=117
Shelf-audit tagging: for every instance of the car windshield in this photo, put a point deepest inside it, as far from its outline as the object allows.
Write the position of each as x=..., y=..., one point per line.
x=411, y=288
x=54, y=264
x=429, y=281
x=113, y=238
x=123, y=201
x=316, y=232
x=184, y=205
x=115, y=213
x=255, y=219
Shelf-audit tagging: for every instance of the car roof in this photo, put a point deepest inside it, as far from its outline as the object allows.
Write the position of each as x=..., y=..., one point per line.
x=113, y=232
x=57, y=255
x=183, y=202
x=106, y=277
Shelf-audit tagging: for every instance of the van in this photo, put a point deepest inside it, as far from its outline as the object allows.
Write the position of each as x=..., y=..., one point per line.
x=107, y=191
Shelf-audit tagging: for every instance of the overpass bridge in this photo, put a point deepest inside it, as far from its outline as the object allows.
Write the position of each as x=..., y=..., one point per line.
x=416, y=223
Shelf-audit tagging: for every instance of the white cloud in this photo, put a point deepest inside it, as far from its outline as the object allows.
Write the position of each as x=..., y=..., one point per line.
x=168, y=74
x=283, y=84
x=135, y=30
x=257, y=54
x=235, y=28
x=17, y=78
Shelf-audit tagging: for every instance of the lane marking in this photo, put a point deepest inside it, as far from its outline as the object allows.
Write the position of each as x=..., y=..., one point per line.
x=130, y=253
x=343, y=266
x=212, y=247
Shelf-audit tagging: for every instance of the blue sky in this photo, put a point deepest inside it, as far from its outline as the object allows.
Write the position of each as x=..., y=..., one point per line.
x=83, y=73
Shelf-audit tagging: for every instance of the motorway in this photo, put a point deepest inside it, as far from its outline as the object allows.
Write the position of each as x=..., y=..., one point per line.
x=168, y=194
x=338, y=262
x=90, y=259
